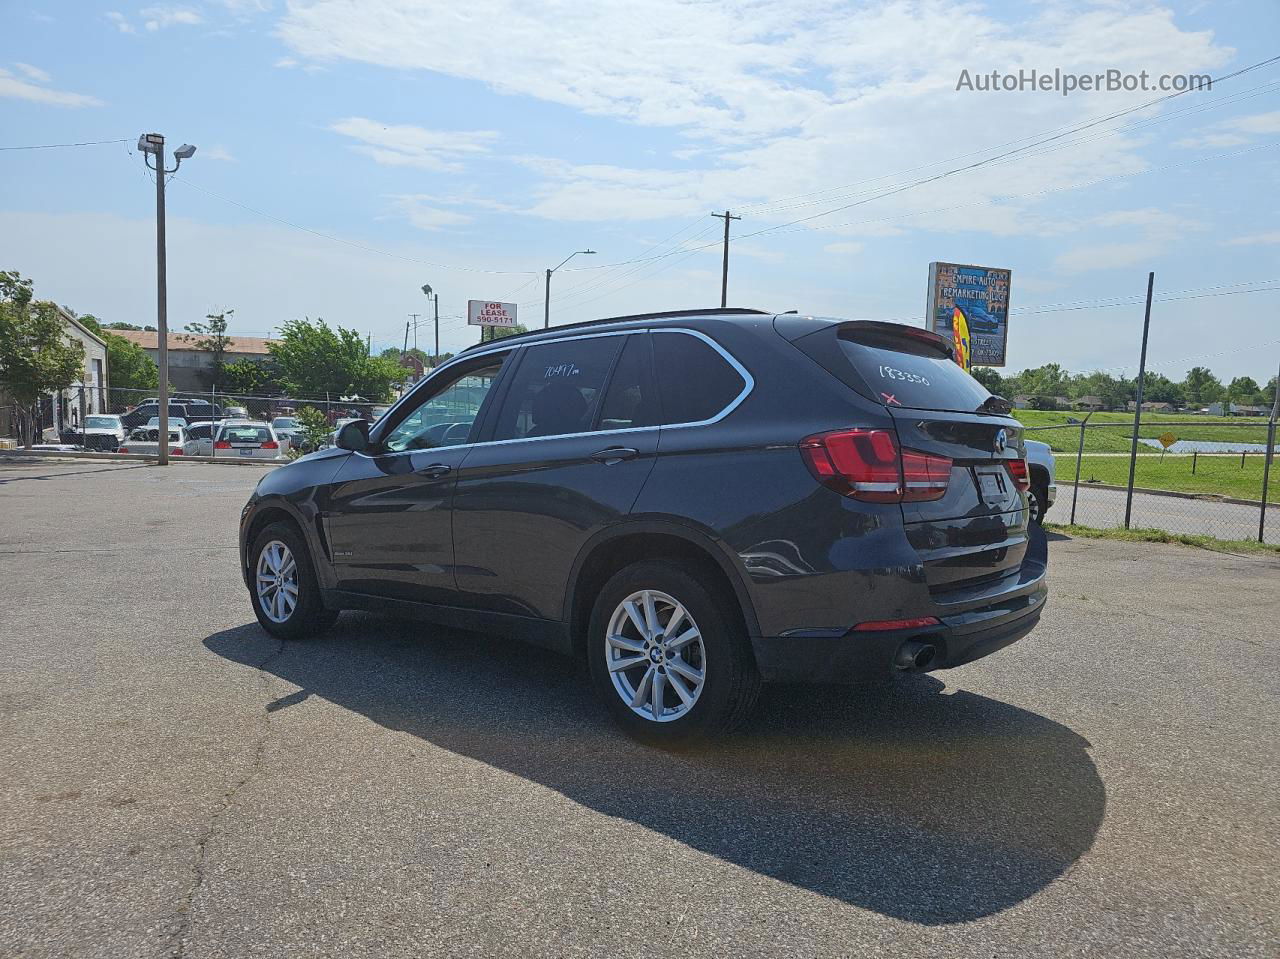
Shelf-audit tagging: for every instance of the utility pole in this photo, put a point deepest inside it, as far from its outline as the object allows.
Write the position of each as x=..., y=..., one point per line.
x=435, y=298
x=546, y=300
x=152, y=144
x=1137, y=410
x=724, y=273
x=407, y=323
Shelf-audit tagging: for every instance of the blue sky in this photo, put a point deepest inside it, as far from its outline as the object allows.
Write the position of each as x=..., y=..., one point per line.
x=437, y=141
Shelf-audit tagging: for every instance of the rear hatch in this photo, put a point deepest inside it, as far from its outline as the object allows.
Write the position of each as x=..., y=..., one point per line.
x=976, y=529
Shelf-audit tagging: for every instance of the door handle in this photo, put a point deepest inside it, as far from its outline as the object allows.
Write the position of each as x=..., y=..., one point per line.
x=435, y=471
x=615, y=454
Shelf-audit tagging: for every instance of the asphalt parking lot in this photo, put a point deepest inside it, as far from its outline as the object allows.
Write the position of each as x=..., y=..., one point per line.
x=177, y=783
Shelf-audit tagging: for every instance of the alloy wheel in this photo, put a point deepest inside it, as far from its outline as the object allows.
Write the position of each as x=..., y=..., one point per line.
x=277, y=582
x=655, y=655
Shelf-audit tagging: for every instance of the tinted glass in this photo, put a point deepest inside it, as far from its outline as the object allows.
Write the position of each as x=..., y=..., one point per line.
x=245, y=434
x=200, y=431
x=632, y=397
x=556, y=387
x=447, y=417
x=696, y=381
x=903, y=373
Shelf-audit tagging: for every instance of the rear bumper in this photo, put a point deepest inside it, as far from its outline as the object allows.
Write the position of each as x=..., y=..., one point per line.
x=973, y=623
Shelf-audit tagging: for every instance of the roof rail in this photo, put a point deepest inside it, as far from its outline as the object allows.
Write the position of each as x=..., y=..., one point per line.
x=710, y=311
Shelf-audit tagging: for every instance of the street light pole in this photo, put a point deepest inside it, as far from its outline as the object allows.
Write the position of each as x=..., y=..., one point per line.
x=546, y=299
x=435, y=299
x=152, y=144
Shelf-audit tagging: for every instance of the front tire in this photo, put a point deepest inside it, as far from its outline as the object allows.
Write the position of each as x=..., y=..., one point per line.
x=283, y=586
x=668, y=656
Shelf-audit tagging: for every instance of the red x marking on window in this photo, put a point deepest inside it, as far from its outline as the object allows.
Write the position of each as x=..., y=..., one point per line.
x=890, y=398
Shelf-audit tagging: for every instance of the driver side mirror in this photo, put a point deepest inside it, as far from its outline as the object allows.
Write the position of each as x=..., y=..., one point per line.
x=354, y=437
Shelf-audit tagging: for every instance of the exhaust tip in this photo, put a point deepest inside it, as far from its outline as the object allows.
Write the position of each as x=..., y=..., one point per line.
x=914, y=655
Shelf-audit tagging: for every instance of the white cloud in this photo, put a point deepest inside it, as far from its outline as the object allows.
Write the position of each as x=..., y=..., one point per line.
x=159, y=17
x=34, y=73
x=418, y=210
x=406, y=145
x=121, y=21
x=217, y=153
x=844, y=249
x=1256, y=239
x=1158, y=231
x=35, y=92
x=1236, y=131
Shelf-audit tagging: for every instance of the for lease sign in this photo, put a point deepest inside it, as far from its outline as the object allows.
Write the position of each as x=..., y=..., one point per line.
x=484, y=313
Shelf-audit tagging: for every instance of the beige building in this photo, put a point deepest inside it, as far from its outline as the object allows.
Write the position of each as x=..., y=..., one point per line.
x=59, y=411
x=191, y=368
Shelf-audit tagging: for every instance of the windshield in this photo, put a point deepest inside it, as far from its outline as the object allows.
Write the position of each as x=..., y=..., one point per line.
x=101, y=422
x=284, y=423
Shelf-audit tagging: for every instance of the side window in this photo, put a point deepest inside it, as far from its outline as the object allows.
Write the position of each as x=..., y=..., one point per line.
x=556, y=388
x=447, y=417
x=696, y=381
x=632, y=397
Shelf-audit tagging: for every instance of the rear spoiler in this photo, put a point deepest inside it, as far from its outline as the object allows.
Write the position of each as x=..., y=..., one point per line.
x=794, y=328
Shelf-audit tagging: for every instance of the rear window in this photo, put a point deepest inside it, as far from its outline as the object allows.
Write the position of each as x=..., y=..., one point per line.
x=246, y=434
x=896, y=370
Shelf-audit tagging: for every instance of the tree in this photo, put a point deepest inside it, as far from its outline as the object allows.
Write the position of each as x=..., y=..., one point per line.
x=213, y=337
x=121, y=325
x=1269, y=392
x=498, y=332
x=36, y=355
x=1201, y=387
x=244, y=376
x=989, y=378
x=313, y=359
x=314, y=426
x=1047, y=380
x=1158, y=388
x=129, y=367
x=1243, y=389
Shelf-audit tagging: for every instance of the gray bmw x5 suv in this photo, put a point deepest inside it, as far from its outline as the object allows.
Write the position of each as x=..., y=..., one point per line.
x=693, y=503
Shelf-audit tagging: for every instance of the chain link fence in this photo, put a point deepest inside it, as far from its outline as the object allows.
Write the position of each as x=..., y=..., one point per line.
x=1186, y=476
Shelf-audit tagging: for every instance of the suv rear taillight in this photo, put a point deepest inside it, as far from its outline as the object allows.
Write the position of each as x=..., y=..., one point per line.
x=868, y=465
x=269, y=445
x=1018, y=470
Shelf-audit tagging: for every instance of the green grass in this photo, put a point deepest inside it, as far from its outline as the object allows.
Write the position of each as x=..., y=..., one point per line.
x=1161, y=536
x=1116, y=437
x=1214, y=474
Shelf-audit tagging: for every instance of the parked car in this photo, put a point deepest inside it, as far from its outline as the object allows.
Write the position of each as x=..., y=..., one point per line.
x=154, y=422
x=339, y=424
x=147, y=441
x=102, y=431
x=289, y=431
x=140, y=414
x=247, y=439
x=691, y=502
x=1044, y=486
x=200, y=411
x=235, y=413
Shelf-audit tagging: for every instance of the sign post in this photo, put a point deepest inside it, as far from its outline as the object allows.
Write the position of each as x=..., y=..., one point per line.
x=971, y=304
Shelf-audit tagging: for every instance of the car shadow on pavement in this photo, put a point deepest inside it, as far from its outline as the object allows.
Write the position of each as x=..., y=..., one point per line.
x=917, y=802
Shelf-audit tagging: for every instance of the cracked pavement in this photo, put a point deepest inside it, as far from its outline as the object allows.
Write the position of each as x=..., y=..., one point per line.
x=176, y=783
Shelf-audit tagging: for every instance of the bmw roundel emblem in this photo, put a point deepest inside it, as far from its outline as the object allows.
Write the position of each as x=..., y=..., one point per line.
x=1002, y=441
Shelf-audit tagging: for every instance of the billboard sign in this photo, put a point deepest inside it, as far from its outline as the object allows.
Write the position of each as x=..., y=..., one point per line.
x=484, y=313
x=980, y=295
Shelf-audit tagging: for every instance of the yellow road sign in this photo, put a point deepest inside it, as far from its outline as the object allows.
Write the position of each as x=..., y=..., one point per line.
x=1167, y=440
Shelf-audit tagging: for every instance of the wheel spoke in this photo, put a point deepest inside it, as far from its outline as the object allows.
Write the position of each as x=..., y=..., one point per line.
x=630, y=645
x=642, y=691
x=659, y=684
x=289, y=567
x=677, y=616
x=626, y=662
x=684, y=639
x=650, y=615
x=637, y=619
x=683, y=691
x=678, y=665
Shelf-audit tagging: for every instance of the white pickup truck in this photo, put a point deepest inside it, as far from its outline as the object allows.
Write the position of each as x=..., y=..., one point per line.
x=146, y=441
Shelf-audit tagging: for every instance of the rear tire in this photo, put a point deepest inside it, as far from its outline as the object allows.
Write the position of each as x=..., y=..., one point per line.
x=656, y=628
x=283, y=586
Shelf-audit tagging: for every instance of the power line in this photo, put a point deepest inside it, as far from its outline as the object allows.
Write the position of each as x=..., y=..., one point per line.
x=58, y=146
